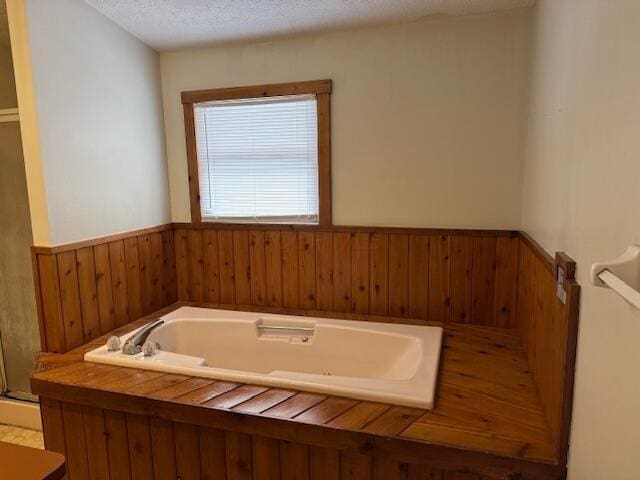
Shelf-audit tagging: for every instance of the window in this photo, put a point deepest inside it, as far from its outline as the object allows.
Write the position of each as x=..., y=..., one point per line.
x=259, y=154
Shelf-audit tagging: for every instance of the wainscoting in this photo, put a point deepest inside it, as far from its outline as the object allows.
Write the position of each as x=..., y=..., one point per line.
x=459, y=276
x=87, y=289
x=120, y=445
x=500, y=280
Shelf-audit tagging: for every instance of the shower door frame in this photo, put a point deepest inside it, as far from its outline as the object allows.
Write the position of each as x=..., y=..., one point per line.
x=6, y=115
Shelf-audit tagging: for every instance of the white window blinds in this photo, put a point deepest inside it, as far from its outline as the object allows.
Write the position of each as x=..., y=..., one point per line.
x=258, y=159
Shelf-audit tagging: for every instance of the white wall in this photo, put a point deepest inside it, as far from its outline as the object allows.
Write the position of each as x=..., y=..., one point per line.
x=582, y=195
x=99, y=115
x=427, y=118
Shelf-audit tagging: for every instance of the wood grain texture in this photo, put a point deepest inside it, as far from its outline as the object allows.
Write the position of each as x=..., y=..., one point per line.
x=88, y=291
x=404, y=273
x=70, y=299
x=163, y=449
x=493, y=395
x=439, y=265
x=118, y=445
x=488, y=416
x=192, y=162
x=307, y=270
x=548, y=329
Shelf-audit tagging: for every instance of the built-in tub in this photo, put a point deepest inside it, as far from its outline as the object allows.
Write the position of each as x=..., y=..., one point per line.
x=384, y=362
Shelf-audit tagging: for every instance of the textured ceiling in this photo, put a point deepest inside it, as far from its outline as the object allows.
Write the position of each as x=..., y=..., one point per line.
x=176, y=24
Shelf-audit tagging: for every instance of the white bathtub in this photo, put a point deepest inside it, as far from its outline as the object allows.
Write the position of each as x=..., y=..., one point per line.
x=364, y=360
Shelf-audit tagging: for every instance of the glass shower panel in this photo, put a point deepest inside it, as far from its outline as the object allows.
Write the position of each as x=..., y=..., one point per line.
x=18, y=317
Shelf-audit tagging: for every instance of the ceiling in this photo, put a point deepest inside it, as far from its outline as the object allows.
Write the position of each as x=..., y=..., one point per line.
x=176, y=24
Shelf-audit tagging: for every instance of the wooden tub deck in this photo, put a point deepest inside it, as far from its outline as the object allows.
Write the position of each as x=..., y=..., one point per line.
x=488, y=420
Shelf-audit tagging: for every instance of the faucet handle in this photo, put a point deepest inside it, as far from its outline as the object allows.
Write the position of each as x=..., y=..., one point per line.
x=149, y=349
x=114, y=344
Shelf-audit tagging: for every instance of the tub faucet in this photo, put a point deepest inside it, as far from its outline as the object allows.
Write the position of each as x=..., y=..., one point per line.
x=134, y=344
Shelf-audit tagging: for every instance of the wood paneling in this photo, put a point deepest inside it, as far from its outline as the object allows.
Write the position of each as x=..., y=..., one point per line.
x=103, y=444
x=385, y=272
x=497, y=279
x=548, y=329
x=487, y=417
x=457, y=276
x=87, y=291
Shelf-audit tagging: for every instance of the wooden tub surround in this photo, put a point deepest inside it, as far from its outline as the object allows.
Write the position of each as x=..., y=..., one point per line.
x=503, y=401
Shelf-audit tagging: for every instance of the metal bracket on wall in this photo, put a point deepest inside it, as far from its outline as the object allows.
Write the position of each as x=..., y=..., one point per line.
x=622, y=275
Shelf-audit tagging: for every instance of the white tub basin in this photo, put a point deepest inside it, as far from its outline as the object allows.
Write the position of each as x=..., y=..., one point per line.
x=365, y=360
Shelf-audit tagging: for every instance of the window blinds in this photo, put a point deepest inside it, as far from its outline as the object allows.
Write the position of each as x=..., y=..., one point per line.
x=258, y=159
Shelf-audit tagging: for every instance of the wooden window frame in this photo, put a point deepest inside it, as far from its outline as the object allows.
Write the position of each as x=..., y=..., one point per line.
x=322, y=91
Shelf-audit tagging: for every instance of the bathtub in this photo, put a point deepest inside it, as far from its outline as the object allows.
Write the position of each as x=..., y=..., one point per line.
x=383, y=362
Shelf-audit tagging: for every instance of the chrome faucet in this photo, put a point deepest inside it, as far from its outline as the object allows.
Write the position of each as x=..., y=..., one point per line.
x=134, y=344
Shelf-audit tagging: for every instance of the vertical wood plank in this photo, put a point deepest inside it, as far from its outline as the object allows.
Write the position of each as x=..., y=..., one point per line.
x=52, y=425
x=379, y=273
x=385, y=469
x=273, y=253
x=506, y=281
x=294, y=461
x=157, y=292
x=227, y=268
x=163, y=449
x=38, y=298
x=139, y=447
x=355, y=466
x=182, y=265
x=119, y=283
x=242, y=267
x=146, y=274
x=307, y=270
x=168, y=268
x=51, y=305
x=239, y=456
x=483, y=279
x=70, y=299
x=461, y=265
x=104, y=288
x=418, y=276
x=212, y=454
x=424, y=472
x=266, y=458
x=134, y=288
x=341, y=272
x=88, y=294
x=96, y=435
x=455, y=475
x=187, y=445
x=290, y=285
x=439, y=301
x=117, y=445
x=196, y=265
x=324, y=271
x=211, y=266
x=360, y=272
x=257, y=264
x=324, y=464
x=398, y=275
x=75, y=445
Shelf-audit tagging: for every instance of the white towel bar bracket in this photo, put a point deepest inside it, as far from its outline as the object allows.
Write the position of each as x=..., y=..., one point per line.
x=621, y=275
